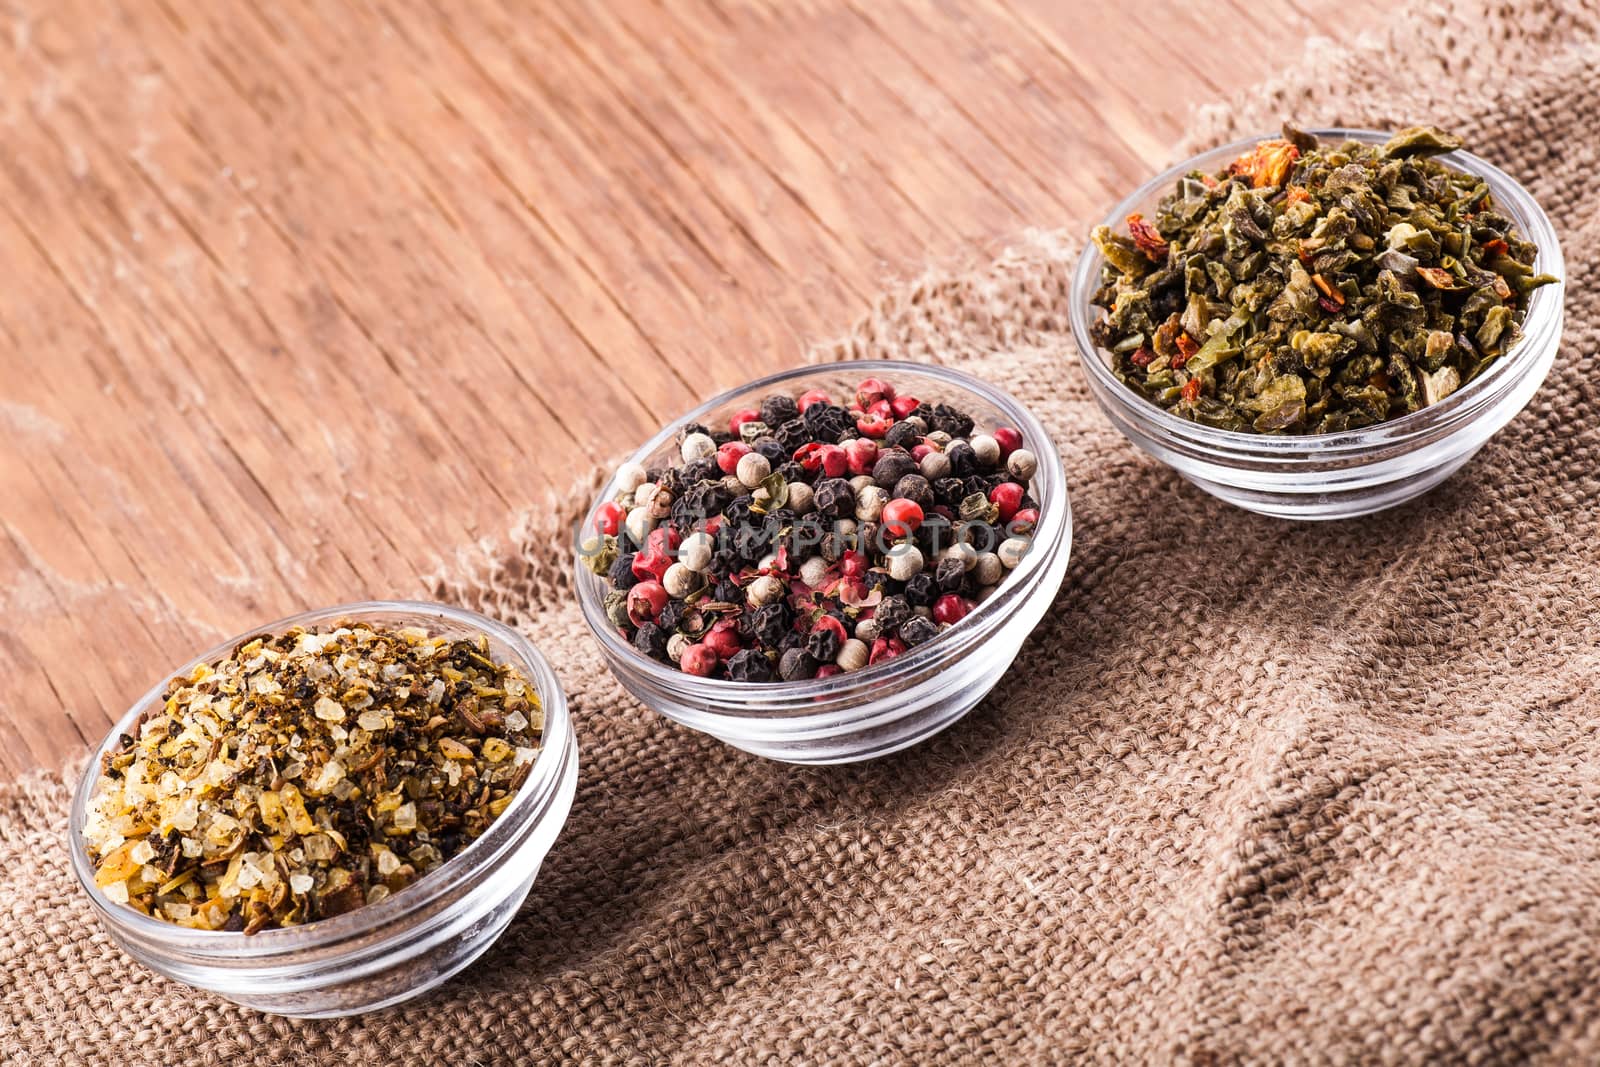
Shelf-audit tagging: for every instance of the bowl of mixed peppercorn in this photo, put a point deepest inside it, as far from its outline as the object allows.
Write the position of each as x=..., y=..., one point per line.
x=1322, y=324
x=828, y=564
x=333, y=813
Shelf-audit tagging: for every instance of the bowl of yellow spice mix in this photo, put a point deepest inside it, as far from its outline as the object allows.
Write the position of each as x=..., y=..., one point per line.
x=332, y=814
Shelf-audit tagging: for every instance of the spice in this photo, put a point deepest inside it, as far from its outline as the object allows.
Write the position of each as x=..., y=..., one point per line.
x=1314, y=289
x=775, y=540
x=308, y=773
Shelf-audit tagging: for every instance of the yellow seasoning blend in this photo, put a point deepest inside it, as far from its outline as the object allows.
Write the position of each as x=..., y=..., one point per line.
x=309, y=773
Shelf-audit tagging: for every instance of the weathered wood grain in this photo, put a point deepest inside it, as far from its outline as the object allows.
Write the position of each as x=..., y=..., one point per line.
x=301, y=297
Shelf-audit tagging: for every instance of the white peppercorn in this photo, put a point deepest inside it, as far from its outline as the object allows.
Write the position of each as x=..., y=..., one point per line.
x=814, y=571
x=986, y=448
x=696, y=551
x=861, y=481
x=852, y=655
x=1012, y=549
x=643, y=494
x=987, y=568
x=660, y=503
x=1022, y=465
x=630, y=476
x=753, y=469
x=675, y=646
x=764, y=590
x=938, y=438
x=732, y=484
x=680, y=581
x=869, y=503
x=802, y=499
x=935, y=465
x=697, y=446
x=639, y=523
x=905, y=562
x=868, y=630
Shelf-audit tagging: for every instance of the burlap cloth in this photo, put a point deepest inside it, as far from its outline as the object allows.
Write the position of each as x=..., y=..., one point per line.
x=1254, y=791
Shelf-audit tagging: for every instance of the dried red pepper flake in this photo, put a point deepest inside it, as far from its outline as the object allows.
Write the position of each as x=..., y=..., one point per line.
x=1148, y=238
x=1191, y=390
x=1296, y=194
x=1142, y=357
x=1332, y=307
x=1496, y=247
x=1187, y=347
x=1267, y=164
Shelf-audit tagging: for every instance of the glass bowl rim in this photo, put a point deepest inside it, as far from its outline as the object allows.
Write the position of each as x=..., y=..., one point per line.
x=1544, y=306
x=1054, y=523
x=416, y=897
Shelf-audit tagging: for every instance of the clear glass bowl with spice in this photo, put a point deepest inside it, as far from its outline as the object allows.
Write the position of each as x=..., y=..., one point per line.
x=1331, y=475
x=862, y=711
x=318, y=945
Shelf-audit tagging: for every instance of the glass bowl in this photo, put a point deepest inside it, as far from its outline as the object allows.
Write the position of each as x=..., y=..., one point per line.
x=886, y=707
x=399, y=947
x=1336, y=475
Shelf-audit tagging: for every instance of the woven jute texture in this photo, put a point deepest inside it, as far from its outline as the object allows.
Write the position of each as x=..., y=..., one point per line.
x=1255, y=791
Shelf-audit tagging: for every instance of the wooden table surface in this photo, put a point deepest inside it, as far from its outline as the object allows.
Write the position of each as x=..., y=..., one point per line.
x=300, y=297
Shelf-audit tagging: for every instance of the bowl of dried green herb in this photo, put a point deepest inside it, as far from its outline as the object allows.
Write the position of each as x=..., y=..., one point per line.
x=333, y=813
x=828, y=564
x=1323, y=324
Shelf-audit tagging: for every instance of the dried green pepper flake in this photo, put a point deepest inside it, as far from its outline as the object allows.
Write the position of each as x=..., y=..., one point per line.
x=1314, y=289
x=308, y=773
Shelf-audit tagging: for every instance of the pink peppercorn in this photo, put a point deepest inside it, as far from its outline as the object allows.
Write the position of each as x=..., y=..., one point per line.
x=852, y=564
x=872, y=390
x=901, y=517
x=828, y=670
x=919, y=451
x=645, y=601
x=815, y=396
x=729, y=455
x=650, y=565
x=741, y=417
x=885, y=648
x=872, y=426
x=950, y=608
x=830, y=622
x=699, y=660
x=860, y=455
x=1007, y=496
x=1009, y=439
x=903, y=406
x=1024, y=521
x=723, y=640
x=608, y=517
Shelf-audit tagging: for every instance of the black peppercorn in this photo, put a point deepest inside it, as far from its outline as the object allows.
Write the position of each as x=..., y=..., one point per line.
x=834, y=497
x=823, y=644
x=772, y=450
x=915, y=488
x=751, y=543
x=701, y=470
x=749, y=665
x=737, y=510
x=828, y=422
x=946, y=419
x=893, y=464
x=689, y=428
x=949, y=575
x=651, y=640
x=671, y=617
x=792, y=434
x=949, y=492
x=805, y=539
x=903, y=434
x=700, y=502
x=922, y=590
x=963, y=460
x=891, y=614
x=797, y=664
x=778, y=409
x=791, y=639
x=791, y=471
x=769, y=622
x=917, y=630
x=728, y=592
x=621, y=574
